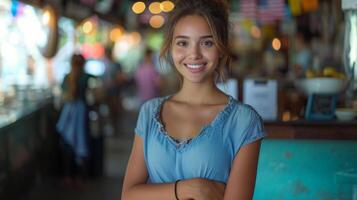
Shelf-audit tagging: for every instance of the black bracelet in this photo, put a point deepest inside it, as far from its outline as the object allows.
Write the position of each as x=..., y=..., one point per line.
x=176, y=189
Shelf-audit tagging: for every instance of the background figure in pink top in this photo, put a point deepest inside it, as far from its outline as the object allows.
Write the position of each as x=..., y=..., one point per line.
x=147, y=78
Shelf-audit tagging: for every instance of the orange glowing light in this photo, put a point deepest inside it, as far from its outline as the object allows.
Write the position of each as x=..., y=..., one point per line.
x=167, y=6
x=87, y=27
x=138, y=7
x=154, y=8
x=276, y=44
x=157, y=21
x=116, y=33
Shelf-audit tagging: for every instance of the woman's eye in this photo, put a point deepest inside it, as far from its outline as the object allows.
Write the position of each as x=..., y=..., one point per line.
x=181, y=43
x=207, y=43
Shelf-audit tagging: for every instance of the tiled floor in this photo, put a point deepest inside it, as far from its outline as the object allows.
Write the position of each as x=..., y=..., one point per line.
x=108, y=187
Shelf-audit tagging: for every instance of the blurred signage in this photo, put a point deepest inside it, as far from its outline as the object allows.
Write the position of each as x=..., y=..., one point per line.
x=262, y=96
x=349, y=4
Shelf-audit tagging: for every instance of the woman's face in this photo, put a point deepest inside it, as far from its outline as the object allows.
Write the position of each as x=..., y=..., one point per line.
x=194, y=52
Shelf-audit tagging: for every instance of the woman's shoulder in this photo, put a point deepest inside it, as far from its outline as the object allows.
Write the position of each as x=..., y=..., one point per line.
x=149, y=111
x=244, y=125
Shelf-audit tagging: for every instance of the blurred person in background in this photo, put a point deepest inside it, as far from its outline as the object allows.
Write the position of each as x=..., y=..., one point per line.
x=73, y=124
x=303, y=54
x=147, y=78
x=113, y=80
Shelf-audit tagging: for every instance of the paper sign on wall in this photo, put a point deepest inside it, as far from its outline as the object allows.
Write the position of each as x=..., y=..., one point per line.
x=262, y=96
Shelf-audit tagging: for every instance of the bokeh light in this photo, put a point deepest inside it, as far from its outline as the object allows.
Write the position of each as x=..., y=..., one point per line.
x=276, y=44
x=167, y=6
x=116, y=33
x=136, y=37
x=255, y=32
x=138, y=7
x=154, y=8
x=157, y=21
x=87, y=27
x=46, y=17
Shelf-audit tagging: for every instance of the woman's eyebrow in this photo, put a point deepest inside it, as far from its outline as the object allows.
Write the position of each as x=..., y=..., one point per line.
x=186, y=37
x=206, y=36
x=181, y=37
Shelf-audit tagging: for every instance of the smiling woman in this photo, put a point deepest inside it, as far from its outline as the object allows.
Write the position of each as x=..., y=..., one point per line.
x=197, y=143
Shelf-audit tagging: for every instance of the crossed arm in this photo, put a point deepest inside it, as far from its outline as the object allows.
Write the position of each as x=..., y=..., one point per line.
x=240, y=185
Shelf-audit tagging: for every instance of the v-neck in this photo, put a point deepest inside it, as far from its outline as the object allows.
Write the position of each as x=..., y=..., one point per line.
x=179, y=143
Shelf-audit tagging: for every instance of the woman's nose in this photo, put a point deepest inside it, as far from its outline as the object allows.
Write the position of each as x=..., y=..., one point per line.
x=195, y=52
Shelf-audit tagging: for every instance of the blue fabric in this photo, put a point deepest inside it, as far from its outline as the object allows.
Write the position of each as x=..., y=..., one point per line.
x=72, y=126
x=209, y=155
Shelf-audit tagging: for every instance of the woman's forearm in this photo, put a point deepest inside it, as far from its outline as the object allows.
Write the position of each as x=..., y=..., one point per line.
x=164, y=191
x=189, y=189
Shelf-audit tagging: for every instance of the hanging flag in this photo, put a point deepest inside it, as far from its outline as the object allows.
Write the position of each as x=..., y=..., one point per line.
x=295, y=7
x=248, y=9
x=309, y=5
x=270, y=10
x=277, y=8
x=287, y=12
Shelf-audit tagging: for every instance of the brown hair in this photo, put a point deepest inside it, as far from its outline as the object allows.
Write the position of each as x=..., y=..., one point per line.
x=77, y=61
x=77, y=65
x=215, y=12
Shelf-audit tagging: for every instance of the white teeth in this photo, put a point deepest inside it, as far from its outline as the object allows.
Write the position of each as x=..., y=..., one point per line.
x=194, y=66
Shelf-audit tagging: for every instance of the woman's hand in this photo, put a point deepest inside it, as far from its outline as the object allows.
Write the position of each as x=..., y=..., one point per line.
x=200, y=189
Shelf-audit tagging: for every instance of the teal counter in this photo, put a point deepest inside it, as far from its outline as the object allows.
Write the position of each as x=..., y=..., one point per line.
x=307, y=169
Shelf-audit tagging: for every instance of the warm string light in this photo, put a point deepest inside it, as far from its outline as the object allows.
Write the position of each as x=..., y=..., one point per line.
x=138, y=7
x=157, y=21
x=154, y=8
x=276, y=44
x=88, y=27
x=167, y=6
x=116, y=33
x=255, y=32
x=136, y=37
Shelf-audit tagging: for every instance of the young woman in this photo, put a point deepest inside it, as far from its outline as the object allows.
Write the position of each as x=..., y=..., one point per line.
x=197, y=143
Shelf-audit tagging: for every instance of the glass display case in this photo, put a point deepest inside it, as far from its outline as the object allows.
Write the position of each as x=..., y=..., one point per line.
x=24, y=71
x=21, y=39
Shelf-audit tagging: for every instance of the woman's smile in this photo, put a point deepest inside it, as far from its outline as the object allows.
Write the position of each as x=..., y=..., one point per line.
x=196, y=68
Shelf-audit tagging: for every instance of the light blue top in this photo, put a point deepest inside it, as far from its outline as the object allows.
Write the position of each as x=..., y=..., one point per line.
x=209, y=155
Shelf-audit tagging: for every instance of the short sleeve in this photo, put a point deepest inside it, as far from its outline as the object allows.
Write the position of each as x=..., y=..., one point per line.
x=255, y=129
x=243, y=126
x=143, y=119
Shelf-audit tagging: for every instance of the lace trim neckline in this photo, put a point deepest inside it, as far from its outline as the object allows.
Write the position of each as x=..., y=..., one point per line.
x=220, y=116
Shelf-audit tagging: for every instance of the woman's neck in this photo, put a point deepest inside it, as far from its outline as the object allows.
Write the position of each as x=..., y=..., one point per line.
x=200, y=94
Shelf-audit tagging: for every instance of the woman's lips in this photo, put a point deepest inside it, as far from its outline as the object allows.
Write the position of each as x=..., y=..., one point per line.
x=195, y=68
